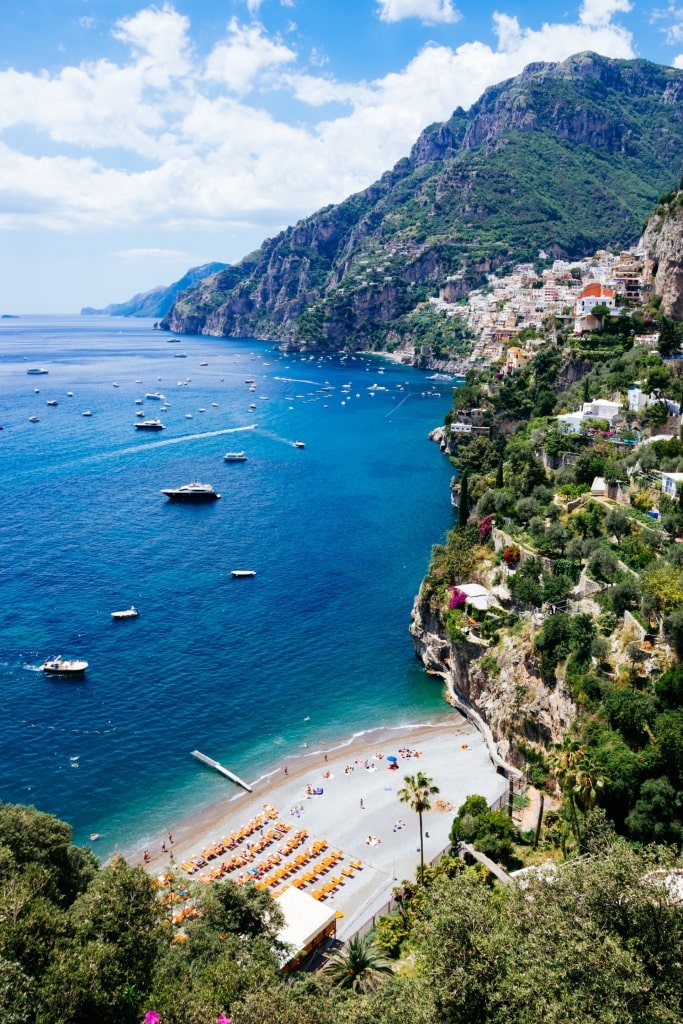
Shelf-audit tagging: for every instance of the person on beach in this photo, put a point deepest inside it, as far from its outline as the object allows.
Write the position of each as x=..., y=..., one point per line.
x=362, y=805
x=146, y=857
x=170, y=838
x=286, y=770
x=163, y=846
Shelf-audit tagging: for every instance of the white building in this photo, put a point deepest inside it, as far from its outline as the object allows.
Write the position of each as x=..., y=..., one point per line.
x=670, y=482
x=598, y=409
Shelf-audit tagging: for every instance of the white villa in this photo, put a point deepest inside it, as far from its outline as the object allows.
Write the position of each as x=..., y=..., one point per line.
x=598, y=409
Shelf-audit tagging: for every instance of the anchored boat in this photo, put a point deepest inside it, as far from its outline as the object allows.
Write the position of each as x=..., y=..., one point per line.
x=194, y=492
x=64, y=666
x=129, y=613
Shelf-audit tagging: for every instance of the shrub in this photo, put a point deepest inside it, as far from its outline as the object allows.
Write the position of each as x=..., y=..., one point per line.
x=511, y=554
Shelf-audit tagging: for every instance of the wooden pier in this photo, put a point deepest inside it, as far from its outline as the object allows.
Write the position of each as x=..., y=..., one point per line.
x=219, y=768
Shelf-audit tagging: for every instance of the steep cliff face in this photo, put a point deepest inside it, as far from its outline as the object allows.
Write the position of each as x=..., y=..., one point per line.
x=490, y=185
x=500, y=690
x=663, y=243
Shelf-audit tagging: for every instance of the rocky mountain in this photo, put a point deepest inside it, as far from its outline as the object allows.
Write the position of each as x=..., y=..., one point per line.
x=158, y=301
x=566, y=158
x=663, y=244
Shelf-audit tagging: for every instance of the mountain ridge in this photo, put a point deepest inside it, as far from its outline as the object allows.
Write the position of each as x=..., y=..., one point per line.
x=157, y=301
x=567, y=158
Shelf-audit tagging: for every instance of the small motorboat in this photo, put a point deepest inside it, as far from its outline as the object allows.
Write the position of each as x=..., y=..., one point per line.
x=128, y=613
x=33, y=419
x=51, y=401
x=241, y=574
x=234, y=457
x=299, y=444
x=87, y=413
x=64, y=666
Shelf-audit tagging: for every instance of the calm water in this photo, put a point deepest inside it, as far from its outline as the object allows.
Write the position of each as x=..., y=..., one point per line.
x=315, y=646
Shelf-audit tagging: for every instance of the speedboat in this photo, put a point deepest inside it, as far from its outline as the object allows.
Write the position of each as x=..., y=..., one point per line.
x=299, y=444
x=36, y=370
x=194, y=492
x=51, y=401
x=235, y=457
x=241, y=574
x=129, y=613
x=64, y=666
x=33, y=419
x=156, y=394
x=150, y=425
x=87, y=413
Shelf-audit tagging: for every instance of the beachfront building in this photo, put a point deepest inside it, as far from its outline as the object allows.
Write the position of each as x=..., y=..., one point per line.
x=309, y=925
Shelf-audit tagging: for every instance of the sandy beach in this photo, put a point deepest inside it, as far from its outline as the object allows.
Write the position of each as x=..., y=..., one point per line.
x=357, y=802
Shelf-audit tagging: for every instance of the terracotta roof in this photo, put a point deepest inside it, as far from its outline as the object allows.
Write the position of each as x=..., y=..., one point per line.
x=598, y=290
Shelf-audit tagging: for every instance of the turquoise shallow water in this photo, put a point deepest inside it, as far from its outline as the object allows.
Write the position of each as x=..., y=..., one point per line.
x=314, y=647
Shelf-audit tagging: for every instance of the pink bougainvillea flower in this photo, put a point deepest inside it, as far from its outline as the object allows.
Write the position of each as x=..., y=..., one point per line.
x=151, y=1017
x=222, y=1019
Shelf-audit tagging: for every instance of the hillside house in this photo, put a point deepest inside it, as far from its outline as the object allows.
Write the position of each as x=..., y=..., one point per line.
x=638, y=401
x=598, y=409
x=670, y=482
x=517, y=359
x=594, y=294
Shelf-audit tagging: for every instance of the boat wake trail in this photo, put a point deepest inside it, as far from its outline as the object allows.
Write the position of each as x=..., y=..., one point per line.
x=136, y=449
x=297, y=380
x=396, y=407
x=182, y=440
x=276, y=437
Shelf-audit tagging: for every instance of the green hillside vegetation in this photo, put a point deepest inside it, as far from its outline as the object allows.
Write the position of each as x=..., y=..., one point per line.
x=627, y=743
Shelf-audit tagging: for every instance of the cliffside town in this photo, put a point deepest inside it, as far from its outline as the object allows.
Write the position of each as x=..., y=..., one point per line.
x=556, y=602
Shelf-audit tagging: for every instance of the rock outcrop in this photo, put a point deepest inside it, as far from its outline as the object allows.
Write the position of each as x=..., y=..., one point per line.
x=663, y=245
x=499, y=690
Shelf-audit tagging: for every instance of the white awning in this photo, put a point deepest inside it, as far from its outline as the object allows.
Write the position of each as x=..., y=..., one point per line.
x=305, y=919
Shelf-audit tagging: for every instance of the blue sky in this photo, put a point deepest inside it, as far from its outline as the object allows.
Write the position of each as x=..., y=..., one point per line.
x=137, y=141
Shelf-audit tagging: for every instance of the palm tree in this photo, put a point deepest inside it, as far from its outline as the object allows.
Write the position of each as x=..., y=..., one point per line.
x=579, y=777
x=359, y=965
x=416, y=792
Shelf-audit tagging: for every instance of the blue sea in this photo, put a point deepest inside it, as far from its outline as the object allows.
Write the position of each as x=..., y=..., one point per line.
x=314, y=647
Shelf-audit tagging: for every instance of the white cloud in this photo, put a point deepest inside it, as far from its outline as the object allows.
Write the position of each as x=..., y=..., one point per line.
x=86, y=22
x=248, y=52
x=429, y=11
x=151, y=255
x=159, y=39
x=678, y=61
x=202, y=157
x=600, y=12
